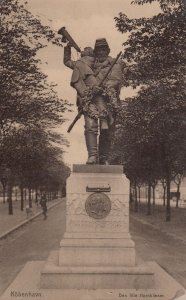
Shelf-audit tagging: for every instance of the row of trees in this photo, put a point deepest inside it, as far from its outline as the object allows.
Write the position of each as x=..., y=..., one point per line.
x=30, y=151
x=151, y=138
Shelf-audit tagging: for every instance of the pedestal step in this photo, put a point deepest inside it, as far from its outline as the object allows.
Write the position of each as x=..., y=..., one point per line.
x=97, y=252
x=54, y=276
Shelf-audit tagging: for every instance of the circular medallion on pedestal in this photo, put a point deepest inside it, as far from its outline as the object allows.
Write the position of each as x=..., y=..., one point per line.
x=98, y=205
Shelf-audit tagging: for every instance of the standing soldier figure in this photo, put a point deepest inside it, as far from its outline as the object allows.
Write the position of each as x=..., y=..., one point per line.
x=112, y=85
x=99, y=104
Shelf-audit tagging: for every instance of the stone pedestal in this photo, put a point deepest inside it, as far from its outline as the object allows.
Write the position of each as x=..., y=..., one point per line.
x=97, y=250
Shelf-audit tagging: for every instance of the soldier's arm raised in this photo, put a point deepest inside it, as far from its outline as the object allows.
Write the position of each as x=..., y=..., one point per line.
x=68, y=62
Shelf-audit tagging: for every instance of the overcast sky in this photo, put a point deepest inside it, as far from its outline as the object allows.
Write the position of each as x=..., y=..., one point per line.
x=86, y=20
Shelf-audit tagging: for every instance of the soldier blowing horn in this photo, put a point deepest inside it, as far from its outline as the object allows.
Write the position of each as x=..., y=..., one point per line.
x=67, y=37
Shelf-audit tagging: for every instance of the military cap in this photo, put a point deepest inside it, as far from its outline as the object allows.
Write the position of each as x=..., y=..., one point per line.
x=101, y=43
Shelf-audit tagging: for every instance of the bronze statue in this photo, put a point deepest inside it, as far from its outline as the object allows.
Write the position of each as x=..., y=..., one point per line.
x=97, y=79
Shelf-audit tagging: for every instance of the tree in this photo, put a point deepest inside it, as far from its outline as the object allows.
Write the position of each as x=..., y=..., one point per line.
x=163, y=182
x=29, y=105
x=153, y=191
x=31, y=154
x=25, y=96
x=177, y=180
x=154, y=55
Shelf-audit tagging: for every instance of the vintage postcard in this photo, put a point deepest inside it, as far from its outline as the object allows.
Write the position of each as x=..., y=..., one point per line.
x=92, y=150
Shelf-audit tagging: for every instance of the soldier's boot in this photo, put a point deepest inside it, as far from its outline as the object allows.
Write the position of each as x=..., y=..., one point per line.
x=104, y=146
x=91, y=143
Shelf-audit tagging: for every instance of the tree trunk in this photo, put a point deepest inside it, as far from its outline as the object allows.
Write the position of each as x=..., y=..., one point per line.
x=139, y=194
x=4, y=194
x=22, y=197
x=30, y=197
x=4, y=184
x=136, y=199
x=164, y=195
x=16, y=195
x=177, y=197
x=25, y=194
x=149, y=200
x=36, y=195
x=10, y=206
x=153, y=195
x=168, y=209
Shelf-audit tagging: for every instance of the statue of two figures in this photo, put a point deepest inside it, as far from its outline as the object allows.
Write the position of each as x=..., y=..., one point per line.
x=97, y=79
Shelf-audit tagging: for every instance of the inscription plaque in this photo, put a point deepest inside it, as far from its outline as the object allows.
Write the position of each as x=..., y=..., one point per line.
x=98, y=205
x=94, y=187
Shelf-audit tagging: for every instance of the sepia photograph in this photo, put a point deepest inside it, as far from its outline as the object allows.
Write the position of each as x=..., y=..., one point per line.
x=92, y=149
